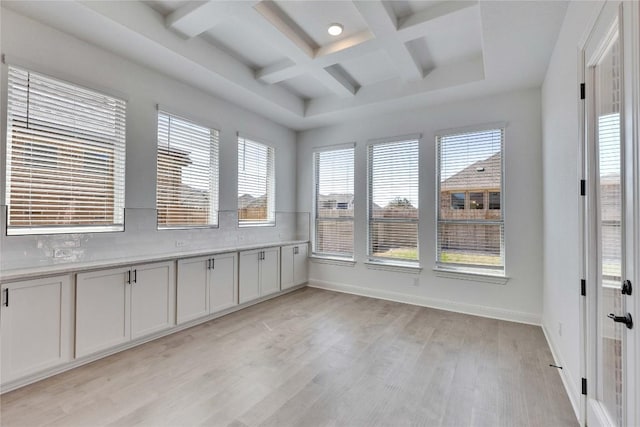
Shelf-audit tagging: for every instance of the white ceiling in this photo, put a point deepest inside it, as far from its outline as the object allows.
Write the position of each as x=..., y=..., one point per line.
x=276, y=58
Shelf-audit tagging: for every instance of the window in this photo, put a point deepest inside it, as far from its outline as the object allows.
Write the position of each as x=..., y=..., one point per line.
x=476, y=200
x=333, y=170
x=494, y=200
x=256, y=183
x=457, y=200
x=187, y=176
x=65, y=157
x=472, y=164
x=393, y=201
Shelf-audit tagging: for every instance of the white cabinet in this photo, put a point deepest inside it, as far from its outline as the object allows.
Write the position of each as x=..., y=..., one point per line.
x=206, y=285
x=259, y=273
x=116, y=305
x=152, y=298
x=36, y=317
x=294, y=265
x=223, y=282
x=193, y=289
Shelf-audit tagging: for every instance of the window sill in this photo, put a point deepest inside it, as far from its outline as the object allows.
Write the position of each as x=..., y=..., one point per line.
x=471, y=276
x=188, y=227
x=43, y=231
x=391, y=266
x=344, y=262
x=256, y=224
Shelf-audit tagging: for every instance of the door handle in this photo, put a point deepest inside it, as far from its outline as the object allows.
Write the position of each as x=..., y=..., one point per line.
x=6, y=297
x=213, y=263
x=129, y=276
x=135, y=276
x=209, y=264
x=626, y=319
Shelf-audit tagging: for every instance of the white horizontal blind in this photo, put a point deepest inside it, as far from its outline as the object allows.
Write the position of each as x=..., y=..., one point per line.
x=256, y=183
x=334, y=202
x=470, y=215
x=393, y=200
x=187, y=187
x=65, y=157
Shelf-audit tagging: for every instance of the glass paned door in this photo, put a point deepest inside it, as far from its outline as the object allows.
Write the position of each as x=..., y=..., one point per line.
x=608, y=139
x=610, y=210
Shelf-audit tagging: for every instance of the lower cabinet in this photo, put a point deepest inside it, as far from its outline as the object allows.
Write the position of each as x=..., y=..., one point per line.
x=114, y=306
x=36, y=317
x=206, y=285
x=117, y=305
x=294, y=265
x=259, y=273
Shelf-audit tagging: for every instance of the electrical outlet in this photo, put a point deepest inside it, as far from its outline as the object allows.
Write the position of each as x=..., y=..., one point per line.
x=180, y=243
x=61, y=253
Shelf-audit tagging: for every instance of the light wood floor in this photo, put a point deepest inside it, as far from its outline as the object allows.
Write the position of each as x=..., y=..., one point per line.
x=313, y=358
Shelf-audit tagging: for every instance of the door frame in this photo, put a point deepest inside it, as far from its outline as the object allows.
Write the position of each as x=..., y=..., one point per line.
x=629, y=28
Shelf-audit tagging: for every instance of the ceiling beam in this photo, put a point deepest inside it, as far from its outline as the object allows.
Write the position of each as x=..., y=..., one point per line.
x=279, y=72
x=194, y=18
x=382, y=22
x=294, y=44
x=417, y=24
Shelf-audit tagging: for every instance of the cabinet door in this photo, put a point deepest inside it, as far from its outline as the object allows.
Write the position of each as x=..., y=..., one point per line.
x=193, y=289
x=102, y=310
x=300, y=269
x=286, y=266
x=223, y=282
x=152, y=298
x=249, y=276
x=270, y=271
x=36, y=326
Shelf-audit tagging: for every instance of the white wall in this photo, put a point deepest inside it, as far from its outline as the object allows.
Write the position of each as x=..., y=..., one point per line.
x=50, y=51
x=561, y=174
x=521, y=298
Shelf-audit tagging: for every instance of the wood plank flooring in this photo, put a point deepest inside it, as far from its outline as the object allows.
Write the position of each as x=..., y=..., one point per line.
x=313, y=358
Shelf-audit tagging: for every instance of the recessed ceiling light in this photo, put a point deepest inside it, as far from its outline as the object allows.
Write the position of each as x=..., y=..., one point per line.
x=335, y=29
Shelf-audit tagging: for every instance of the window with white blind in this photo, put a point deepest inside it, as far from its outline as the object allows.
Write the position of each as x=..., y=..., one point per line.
x=65, y=157
x=470, y=219
x=393, y=201
x=333, y=182
x=187, y=175
x=256, y=183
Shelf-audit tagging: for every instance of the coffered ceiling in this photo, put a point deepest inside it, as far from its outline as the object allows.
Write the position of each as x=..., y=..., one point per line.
x=276, y=58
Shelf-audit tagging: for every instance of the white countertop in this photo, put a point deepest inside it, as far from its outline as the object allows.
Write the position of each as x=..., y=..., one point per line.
x=10, y=275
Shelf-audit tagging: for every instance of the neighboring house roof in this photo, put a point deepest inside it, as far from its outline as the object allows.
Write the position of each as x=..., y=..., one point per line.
x=248, y=201
x=193, y=197
x=180, y=157
x=337, y=197
x=473, y=178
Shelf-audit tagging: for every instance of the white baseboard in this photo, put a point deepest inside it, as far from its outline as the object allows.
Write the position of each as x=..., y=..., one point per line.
x=570, y=385
x=476, y=310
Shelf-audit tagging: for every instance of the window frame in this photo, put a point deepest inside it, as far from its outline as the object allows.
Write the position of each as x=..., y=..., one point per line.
x=214, y=175
x=330, y=255
x=389, y=261
x=271, y=198
x=462, y=269
x=118, y=154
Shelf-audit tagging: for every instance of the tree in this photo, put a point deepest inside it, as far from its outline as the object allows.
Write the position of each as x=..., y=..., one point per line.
x=400, y=202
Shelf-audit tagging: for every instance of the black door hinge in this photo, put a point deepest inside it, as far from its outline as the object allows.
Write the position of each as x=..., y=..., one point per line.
x=583, y=187
x=584, y=386
x=583, y=287
x=582, y=90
